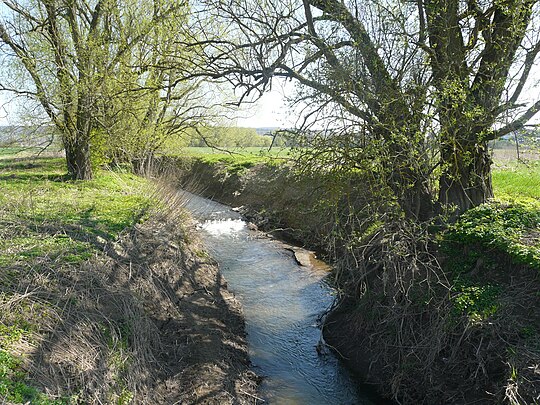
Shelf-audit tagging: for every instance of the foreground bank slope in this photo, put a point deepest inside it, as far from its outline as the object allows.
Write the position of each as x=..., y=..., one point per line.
x=430, y=317
x=108, y=297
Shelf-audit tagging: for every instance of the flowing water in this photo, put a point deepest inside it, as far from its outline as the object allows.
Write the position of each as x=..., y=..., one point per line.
x=282, y=304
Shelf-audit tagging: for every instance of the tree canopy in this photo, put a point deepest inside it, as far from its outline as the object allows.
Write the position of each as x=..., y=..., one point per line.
x=418, y=88
x=427, y=83
x=100, y=67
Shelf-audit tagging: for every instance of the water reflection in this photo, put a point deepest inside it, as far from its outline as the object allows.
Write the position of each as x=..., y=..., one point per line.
x=229, y=227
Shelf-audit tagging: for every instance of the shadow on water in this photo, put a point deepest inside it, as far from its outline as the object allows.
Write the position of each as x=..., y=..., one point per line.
x=282, y=303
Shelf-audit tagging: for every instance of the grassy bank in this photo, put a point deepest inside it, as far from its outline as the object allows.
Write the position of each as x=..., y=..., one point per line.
x=49, y=226
x=104, y=298
x=515, y=180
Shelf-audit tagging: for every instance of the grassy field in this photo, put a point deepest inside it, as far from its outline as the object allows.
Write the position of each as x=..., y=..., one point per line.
x=49, y=225
x=252, y=150
x=517, y=179
x=235, y=160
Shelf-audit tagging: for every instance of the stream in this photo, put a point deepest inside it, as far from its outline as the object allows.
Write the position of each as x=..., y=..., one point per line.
x=282, y=304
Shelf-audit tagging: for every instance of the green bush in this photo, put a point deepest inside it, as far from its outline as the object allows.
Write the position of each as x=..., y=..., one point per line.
x=509, y=227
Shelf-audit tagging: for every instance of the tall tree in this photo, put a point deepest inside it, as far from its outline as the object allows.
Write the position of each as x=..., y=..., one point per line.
x=408, y=76
x=148, y=101
x=67, y=48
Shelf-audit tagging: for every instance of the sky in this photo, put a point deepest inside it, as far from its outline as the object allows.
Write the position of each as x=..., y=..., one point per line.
x=266, y=112
x=269, y=111
x=3, y=110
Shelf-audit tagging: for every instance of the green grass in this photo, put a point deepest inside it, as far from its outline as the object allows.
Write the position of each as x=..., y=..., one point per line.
x=233, y=163
x=48, y=223
x=510, y=178
x=10, y=151
x=250, y=150
x=27, y=151
x=517, y=179
x=237, y=160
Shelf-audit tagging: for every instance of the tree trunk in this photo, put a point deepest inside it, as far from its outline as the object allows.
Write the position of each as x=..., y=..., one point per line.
x=78, y=159
x=416, y=201
x=466, y=178
x=142, y=165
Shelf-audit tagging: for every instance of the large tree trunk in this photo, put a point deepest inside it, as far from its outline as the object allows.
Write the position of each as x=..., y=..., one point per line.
x=466, y=178
x=78, y=158
x=417, y=202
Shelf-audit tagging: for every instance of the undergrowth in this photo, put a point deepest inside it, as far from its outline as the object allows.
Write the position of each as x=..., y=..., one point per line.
x=510, y=226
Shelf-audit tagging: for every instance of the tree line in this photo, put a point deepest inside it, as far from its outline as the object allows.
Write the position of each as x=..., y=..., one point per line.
x=418, y=88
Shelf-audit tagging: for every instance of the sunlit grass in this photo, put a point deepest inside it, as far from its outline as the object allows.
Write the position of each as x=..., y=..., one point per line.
x=51, y=224
x=517, y=179
x=251, y=150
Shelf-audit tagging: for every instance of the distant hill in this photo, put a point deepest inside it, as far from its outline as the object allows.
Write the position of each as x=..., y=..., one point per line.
x=266, y=130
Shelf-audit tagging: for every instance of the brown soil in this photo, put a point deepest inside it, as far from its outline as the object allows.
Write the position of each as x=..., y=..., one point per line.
x=149, y=322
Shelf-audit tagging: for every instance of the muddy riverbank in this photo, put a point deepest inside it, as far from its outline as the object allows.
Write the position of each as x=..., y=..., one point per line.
x=283, y=294
x=147, y=321
x=203, y=356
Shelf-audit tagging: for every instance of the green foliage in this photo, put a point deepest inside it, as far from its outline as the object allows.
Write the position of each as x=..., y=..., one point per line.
x=125, y=397
x=509, y=227
x=13, y=387
x=478, y=302
x=233, y=164
x=473, y=245
x=99, y=149
x=11, y=334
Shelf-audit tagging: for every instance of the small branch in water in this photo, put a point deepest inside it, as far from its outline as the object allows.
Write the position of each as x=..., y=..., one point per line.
x=252, y=396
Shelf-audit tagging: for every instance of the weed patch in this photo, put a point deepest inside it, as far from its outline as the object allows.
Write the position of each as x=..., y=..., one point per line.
x=501, y=226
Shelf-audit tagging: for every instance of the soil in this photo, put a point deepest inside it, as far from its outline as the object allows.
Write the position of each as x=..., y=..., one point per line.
x=204, y=354
x=150, y=322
